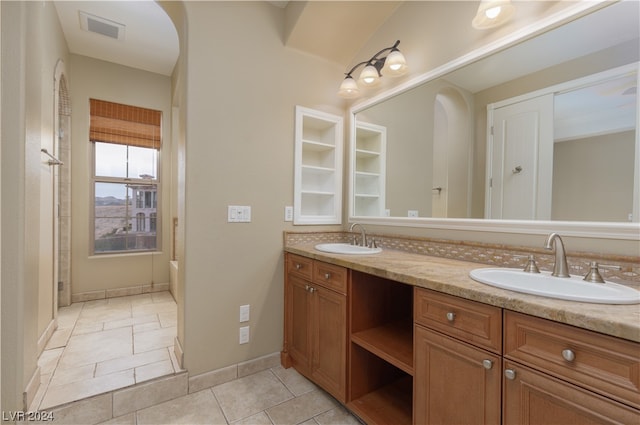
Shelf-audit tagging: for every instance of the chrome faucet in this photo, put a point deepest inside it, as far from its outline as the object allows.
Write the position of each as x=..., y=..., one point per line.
x=362, y=233
x=560, y=267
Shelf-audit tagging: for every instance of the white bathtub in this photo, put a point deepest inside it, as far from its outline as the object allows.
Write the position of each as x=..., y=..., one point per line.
x=173, y=278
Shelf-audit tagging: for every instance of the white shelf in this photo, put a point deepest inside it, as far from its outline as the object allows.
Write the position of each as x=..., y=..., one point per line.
x=369, y=161
x=318, y=168
x=367, y=154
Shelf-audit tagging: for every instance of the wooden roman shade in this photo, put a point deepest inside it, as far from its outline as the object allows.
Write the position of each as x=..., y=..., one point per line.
x=124, y=124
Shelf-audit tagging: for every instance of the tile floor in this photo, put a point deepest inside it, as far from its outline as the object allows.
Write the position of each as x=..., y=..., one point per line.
x=104, y=345
x=272, y=397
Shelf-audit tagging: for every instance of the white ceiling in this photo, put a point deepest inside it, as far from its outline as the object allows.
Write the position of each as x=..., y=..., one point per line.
x=151, y=42
x=334, y=30
x=611, y=26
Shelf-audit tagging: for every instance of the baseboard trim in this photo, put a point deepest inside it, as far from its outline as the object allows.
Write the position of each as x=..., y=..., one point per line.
x=46, y=335
x=31, y=389
x=232, y=372
x=118, y=292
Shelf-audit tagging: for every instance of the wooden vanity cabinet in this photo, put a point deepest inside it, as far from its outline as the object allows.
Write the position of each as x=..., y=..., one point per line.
x=458, y=366
x=556, y=373
x=316, y=322
x=398, y=354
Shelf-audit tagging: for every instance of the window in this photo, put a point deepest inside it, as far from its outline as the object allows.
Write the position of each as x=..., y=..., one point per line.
x=140, y=222
x=126, y=146
x=152, y=222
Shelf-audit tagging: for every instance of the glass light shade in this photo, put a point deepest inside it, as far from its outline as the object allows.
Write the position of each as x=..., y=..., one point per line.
x=395, y=63
x=349, y=88
x=369, y=75
x=492, y=13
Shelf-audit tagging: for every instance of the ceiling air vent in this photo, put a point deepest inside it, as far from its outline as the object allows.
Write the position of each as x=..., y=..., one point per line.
x=102, y=26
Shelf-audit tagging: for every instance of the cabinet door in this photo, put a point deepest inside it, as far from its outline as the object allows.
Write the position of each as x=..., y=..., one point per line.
x=329, y=331
x=454, y=383
x=299, y=338
x=532, y=397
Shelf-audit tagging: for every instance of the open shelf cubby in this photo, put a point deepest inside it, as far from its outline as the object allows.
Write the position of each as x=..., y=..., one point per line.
x=381, y=349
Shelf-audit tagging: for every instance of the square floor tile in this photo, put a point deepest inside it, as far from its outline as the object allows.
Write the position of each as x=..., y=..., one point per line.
x=59, y=338
x=292, y=379
x=257, y=419
x=153, y=370
x=196, y=408
x=301, y=408
x=131, y=361
x=61, y=394
x=97, y=347
x=129, y=419
x=66, y=376
x=49, y=360
x=153, y=340
x=154, y=308
x=337, y=416
x=252, y=394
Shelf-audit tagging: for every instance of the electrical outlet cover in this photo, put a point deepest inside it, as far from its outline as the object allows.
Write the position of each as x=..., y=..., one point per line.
x=244, y=335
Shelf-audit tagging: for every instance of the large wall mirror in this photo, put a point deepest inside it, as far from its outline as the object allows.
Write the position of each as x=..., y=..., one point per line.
x=538, y=136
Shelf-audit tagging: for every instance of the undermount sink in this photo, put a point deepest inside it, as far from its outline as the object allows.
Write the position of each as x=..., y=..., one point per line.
x=345, y=248
x=573, y=288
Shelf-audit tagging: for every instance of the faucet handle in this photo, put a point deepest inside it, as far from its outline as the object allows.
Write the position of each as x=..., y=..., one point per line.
x=373, y=243
x=531, y=266
x=594, y=274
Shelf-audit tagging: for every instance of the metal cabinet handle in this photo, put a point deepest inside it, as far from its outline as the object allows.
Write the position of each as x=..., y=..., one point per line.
x=327, y=276
x=298, y=266
x=568, y=355
x=451, y=316
x=306, y=288
x=312, y=289
x=510, y=374
x=487, y=364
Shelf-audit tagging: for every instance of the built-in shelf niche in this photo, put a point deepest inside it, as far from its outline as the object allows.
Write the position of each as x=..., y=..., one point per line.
x=318, y=167
x=370, y=167
x=381, y=350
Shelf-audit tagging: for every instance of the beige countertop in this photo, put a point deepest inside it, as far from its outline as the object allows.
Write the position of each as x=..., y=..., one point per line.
x=452, y=277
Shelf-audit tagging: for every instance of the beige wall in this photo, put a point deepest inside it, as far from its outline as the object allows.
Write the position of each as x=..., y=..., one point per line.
x=115, y=83
x=242, y=85
x=593, y=178
x=32, y=43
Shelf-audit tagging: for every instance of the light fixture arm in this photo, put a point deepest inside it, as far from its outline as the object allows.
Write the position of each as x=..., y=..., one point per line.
x=375, y=61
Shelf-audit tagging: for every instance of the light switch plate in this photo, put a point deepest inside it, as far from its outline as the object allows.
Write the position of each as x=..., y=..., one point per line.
x=238, y=214
x=288, y=213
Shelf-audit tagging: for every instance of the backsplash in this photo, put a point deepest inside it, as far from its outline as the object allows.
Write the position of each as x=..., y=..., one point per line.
x=485, y=253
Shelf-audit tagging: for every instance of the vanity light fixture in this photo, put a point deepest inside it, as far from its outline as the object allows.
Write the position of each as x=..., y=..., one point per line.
x=393, y=64
x=493, y=13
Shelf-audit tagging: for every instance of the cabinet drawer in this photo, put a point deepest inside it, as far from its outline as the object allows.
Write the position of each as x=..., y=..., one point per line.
x=474, y=322
x=601, y=363
x=300, y=266
x=330, y=276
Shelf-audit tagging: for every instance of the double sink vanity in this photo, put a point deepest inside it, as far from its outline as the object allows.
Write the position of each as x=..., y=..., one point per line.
x=405, y=338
